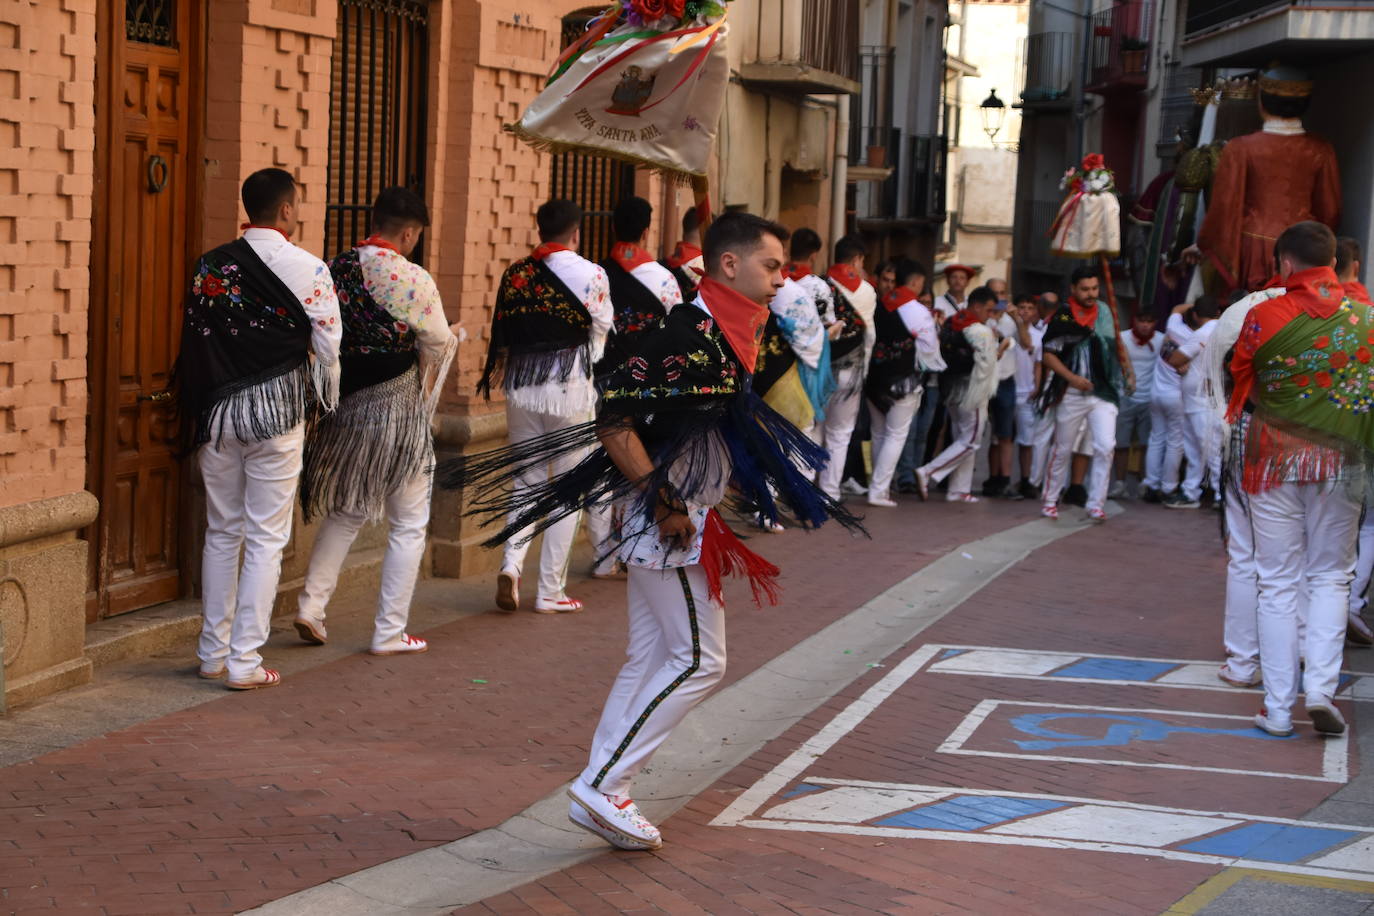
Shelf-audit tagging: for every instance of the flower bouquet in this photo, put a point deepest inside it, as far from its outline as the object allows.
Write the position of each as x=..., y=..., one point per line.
x=644, y=84
x=1089, y=220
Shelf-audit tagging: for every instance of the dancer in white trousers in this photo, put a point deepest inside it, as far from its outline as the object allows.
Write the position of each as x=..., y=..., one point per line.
x=1306, y=445
x=854, y=301
x=967, y=389
x=1086, y=377
x=373, y=457
x=258, y=307
x=553, y=310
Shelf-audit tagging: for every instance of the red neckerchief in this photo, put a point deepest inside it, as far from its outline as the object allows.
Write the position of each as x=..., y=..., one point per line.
x=1316, y=291
x=1084, y=315
x=246, y=226
x=795, y=270
x=684, y=252
x=1143, y=341
x=548, y=248
x=846, y=276
x=1355, y=290
x=964, y=318
x=898, y=298
x=629, y=255
x=740, y=319
x=377, y=241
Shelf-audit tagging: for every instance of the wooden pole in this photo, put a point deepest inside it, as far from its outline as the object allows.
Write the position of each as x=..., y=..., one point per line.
x=1116, y=321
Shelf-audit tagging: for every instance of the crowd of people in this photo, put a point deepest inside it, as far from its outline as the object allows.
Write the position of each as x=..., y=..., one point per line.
x=644, y=394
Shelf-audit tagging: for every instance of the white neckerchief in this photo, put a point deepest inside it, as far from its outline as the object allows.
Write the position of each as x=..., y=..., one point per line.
x=1284, y=127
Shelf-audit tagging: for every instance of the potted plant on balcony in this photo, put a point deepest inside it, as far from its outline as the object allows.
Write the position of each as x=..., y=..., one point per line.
x=1133, y=54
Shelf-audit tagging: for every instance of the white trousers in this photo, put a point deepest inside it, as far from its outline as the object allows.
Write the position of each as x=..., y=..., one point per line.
x=1077, y=408
x=888, y=432
x=1165, y=451
x=1364, y=564
x=967, y=426
x=1041, y=439
x=1201, y=440
x=522, y=424
x=675, y=655
x=407, y=519
x=841, y=413
x=1240, y=628
x=250, y=496
x=1305, y=534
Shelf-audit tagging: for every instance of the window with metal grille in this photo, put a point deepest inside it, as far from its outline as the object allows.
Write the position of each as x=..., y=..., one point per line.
x=595, y=183
x=151, y=21
x=377, y=111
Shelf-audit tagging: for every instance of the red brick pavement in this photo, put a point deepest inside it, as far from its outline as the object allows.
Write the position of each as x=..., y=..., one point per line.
x=1147, y=584
x=255, y=796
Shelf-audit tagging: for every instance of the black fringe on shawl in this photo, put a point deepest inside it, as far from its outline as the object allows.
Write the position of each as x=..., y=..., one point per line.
x=684, y=439
x=510, y=370
x=258, y=407
x=377, y=439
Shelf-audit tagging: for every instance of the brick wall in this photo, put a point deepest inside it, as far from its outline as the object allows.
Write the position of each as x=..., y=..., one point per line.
x=267, y=104
x=47, y=138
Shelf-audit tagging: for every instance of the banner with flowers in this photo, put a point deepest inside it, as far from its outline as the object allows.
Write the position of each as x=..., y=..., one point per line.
x=644, y=84
x=1089, y=220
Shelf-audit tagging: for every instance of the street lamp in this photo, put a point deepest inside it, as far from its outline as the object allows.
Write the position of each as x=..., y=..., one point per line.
x=993, y=112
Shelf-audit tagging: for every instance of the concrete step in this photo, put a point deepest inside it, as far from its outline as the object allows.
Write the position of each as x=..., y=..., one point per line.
x=176, y=624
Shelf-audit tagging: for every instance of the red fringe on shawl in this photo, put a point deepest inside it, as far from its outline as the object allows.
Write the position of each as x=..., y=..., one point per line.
x=1274, y=456
x=723, y=554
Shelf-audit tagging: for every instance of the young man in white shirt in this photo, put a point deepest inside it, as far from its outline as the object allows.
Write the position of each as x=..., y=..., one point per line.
x=853, y=302
x=553, y=311
x=955, y=297
x=1142, y=343
x=1002, y=406
x=259, y=308
x=1164, y=455
x=1030, y=330
x=1200, y=425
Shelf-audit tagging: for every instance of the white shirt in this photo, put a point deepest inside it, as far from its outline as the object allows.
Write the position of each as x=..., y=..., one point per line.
x=821, y=294
x=410, y=296
x=1027, y=360
x=1166, y=378
x=947, y=305
x=1192, y=381
x=660, y=281
x=1144, y=358
x=921, y=323
x=309, y=279
x=1004, y=326
x=575, y=397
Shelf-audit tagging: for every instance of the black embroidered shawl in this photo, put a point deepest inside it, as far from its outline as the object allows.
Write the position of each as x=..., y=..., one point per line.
x=636, y=310
x=776, y=356
x=538, y=330
x=892, y=372
x=376, y=347
x=242, y=327
x=850, y=342
x=1090, y=352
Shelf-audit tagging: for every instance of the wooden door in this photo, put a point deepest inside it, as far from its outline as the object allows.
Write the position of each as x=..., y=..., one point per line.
x=148, y=55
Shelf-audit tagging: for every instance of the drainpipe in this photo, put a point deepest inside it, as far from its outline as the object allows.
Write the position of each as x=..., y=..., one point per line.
x=839, y=175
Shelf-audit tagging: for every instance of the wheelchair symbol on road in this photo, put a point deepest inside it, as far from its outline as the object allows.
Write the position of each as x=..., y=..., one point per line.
x=1123, y=730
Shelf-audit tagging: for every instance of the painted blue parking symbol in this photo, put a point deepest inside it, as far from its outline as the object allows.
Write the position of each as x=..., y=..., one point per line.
x=1123, y=730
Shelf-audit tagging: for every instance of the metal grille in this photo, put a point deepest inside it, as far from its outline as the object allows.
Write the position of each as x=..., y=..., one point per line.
x=830, y=38
x=594, y=183
x=1178, y=113
x=151, y=22
x=377, y=111
x=1051, y=61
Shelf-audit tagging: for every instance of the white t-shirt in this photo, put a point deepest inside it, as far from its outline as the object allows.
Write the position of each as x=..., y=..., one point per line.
x=1004, y=326
x=1166, y=378
x=946, y=305
x=1192, y=380
x=1026, y=361
x=1144, y=358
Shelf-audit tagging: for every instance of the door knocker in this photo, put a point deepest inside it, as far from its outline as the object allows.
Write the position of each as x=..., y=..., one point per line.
x=158, y=173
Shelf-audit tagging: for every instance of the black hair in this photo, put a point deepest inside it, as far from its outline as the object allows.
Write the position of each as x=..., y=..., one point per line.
x=1145, y=315
x=805, y=243
x=906, y=268
x=739, y=232
x=395, y=208
x=556, y=218
x=1348, y=251
x=1022, y=297
x=631, y=218
x=1082, y=273
x=848, y=248
x=265, y=191
x=691, y=221
x=1285, y=106
x=982, y=294
x=1206, y=306
x=1310, y=243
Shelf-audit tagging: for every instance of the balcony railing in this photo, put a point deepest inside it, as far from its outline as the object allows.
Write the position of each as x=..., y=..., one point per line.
x=926, y=157
x=870, y=116
x=1177, y=108
x=804, y=46
x=1051, y=65
x=1203, y=17
x=1120, y=46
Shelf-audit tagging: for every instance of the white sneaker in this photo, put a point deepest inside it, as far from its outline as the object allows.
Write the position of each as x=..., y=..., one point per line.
x=560, y=605
x=882, y=501
x=1117, y=489
x=590, y=823
x=1279, y=727
x=1326, y=718
x=404, y=645
x=617, y=814
x=853, y=487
